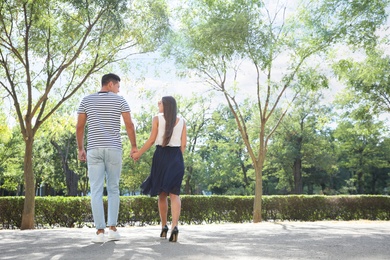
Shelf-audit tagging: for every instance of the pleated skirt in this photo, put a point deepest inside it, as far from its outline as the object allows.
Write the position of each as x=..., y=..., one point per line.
x=166, y=174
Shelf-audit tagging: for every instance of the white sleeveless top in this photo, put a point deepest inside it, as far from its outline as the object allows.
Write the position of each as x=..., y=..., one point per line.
x=176, y=135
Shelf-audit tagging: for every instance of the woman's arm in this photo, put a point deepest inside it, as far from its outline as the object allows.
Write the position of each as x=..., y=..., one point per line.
x=150, y=141
x=183, y=138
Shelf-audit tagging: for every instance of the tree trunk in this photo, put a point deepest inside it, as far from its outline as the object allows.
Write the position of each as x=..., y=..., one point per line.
x=29, y=181
x=258, y=189
x=258, y=166
x=310, y=188
x=72, y=181
x=71, y=178
x=244, y=172
x=187, y=187
x=297, y=170
x=373, y=183
x=360, y=183
x=297, y=167
x=84, y=183
x=258, y=197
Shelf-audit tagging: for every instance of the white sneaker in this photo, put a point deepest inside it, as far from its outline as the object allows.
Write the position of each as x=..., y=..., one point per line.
x=98, y=238
x=113, y=235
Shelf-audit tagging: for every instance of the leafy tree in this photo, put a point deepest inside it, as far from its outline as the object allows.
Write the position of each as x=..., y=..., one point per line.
x=64, y=151
x=60, y=133
x=380, y=175
x=361, y=149
x=11, y=168
x=301, y=147
x=221, y=40
x=366, y=97
x=368, y=79
x=228, y=170
x=5, y=136
x=196, y=111
x=47, y=169
x=49, y=49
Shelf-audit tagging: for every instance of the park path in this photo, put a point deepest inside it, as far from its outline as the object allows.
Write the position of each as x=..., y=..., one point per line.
x=266, y=240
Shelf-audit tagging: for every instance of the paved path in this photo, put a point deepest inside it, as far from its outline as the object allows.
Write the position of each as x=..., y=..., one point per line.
x=282, y=240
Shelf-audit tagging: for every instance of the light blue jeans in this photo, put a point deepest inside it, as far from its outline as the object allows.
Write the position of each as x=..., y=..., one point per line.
x=104, y=164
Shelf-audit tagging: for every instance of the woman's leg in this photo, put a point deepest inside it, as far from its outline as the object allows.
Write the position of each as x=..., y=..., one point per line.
x=175, y=209
x=163, y=207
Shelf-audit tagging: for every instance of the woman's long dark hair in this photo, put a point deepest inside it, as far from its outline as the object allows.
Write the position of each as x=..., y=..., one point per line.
x=170, y=115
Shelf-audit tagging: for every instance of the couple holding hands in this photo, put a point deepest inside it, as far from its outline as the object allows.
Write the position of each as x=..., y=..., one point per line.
x=102, y=111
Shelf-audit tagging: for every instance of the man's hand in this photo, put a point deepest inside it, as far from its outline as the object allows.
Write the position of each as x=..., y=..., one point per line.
x=136, y=155
x=133, y=151
x=82, y=156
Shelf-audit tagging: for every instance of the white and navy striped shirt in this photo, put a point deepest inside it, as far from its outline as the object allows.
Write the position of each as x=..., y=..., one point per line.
x=104, y=110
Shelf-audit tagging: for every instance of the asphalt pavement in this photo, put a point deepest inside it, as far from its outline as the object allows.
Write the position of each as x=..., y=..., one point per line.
x=266, y=240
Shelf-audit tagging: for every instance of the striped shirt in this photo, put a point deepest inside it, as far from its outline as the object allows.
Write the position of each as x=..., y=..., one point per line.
x=104, y=110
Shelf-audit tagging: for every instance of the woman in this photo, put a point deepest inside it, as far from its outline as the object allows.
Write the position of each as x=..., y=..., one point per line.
x=169, y=134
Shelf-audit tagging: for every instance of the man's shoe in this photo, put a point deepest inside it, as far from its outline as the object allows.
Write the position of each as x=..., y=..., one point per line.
x=98, y=238
x=113, y=235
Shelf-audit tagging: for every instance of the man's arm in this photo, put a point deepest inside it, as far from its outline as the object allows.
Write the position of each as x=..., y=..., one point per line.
x=81, y=122
x=130, y=129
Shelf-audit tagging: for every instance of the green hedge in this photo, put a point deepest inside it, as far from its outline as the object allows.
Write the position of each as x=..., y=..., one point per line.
x=141, y=210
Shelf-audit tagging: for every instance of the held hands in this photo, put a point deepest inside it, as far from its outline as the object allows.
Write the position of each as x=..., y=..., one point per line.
x=136, y=155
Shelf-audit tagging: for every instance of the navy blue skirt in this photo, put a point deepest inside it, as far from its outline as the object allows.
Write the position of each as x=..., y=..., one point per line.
x=166, y=174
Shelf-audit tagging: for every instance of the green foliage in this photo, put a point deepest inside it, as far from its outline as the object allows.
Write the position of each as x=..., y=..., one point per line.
x=228, y=168
x=315, y=208
x=196, y=111
x=217, y=39
x=223, y=31
x=367, y=80
x=11, y=211
x=362, y=152
x=353, y=22
x=139, y=209
x=216, y=209
x=216, y=159
x=302, y=152
x=11, y=167
x=49, y=49
x=62, y=211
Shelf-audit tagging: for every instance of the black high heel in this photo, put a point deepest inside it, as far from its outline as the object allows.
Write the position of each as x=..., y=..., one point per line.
x=164, y=231
x=174, y=235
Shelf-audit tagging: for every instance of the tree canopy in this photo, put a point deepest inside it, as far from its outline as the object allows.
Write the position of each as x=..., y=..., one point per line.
x=276, y=48
x=50, y=49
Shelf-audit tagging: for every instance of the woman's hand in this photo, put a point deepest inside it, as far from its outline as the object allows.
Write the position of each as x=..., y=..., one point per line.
x=136, y=155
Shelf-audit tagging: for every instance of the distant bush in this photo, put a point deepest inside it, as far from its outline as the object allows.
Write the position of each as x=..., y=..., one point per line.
x=140, y=210
x=314, y=208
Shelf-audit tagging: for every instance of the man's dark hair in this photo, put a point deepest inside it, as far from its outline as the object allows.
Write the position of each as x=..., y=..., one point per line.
x=110, y=77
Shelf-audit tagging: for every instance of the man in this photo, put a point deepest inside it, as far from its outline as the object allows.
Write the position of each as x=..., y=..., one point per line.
x=102, y=111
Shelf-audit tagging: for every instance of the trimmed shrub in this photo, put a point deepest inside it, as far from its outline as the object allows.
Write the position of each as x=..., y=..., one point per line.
x=76, y=211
